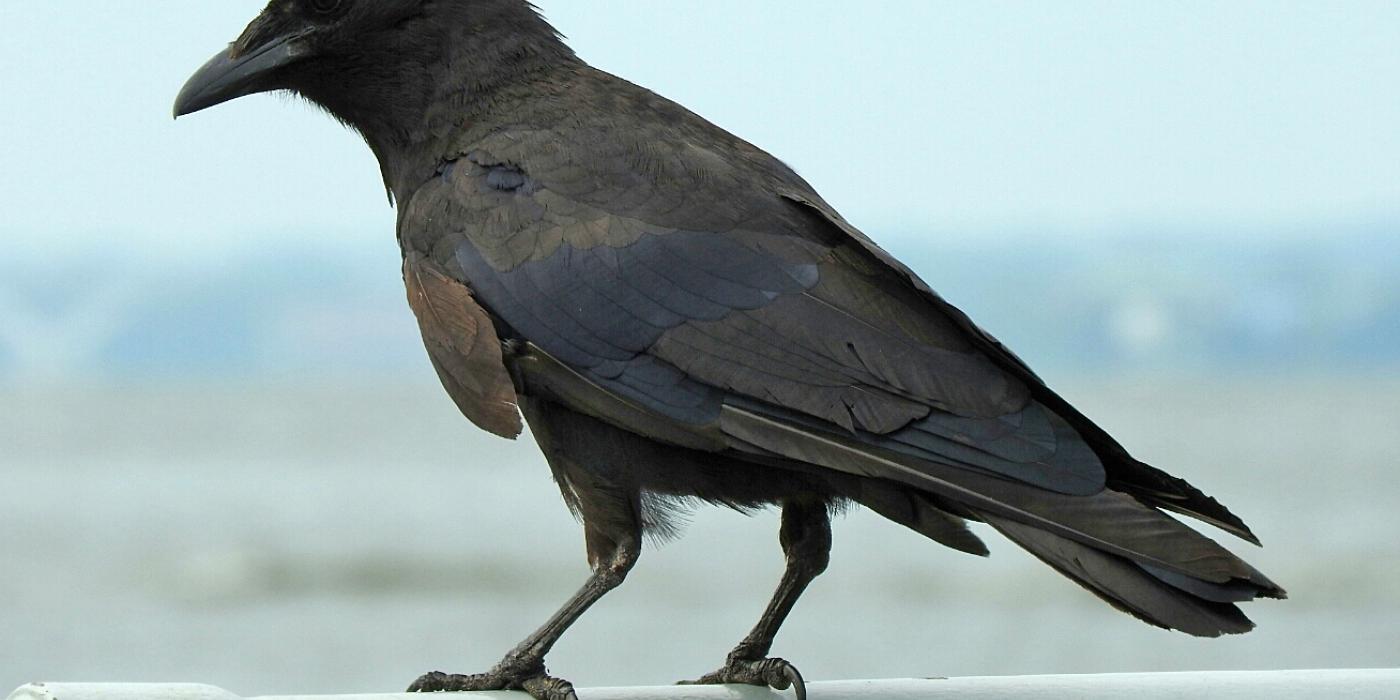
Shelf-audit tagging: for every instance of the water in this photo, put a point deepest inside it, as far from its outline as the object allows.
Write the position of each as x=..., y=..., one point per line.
x=288, y=539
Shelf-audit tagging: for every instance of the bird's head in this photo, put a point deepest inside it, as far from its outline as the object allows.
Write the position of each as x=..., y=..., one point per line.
x=377, y=63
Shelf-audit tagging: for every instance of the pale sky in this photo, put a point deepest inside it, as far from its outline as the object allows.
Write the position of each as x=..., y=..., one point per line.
x=911, y=116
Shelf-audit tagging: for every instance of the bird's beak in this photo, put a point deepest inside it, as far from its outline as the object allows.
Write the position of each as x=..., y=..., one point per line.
x=228, y=76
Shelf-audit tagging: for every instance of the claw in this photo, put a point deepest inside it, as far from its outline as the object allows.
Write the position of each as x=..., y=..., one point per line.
x=777, y=674
x=794, y=678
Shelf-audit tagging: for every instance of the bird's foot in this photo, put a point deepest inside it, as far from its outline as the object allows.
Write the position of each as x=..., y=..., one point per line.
x=773, y=673
x=511, y=674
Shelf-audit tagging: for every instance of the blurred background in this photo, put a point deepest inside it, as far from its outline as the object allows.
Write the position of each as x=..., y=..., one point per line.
x=224, y=458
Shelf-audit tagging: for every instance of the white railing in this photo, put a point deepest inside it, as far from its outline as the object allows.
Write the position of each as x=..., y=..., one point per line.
x=1236, y=685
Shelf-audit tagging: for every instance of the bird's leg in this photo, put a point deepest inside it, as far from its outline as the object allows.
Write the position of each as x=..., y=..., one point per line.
x=806, y=539
x=581, y=458
x=523, y=668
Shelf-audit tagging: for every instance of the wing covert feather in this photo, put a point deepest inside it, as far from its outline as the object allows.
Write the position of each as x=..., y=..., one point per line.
x=762, y=304
x=463, y=346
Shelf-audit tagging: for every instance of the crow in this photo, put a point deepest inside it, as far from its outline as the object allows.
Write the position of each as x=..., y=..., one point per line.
x=679, y=317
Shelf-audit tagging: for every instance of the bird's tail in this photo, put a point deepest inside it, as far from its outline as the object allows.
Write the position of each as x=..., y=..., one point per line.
x=1200, y=604
x=1114, y=543
x=1154, y=595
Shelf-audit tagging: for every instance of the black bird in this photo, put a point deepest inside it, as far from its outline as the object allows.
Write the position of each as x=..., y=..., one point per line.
x=678, y=315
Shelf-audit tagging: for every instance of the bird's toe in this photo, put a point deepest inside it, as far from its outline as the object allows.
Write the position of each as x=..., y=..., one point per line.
x=439, y=682
x=777, y=674
x=529, y=678
x=549, y=688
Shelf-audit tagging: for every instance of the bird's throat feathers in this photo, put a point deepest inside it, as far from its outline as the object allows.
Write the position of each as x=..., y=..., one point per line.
x=410, y=85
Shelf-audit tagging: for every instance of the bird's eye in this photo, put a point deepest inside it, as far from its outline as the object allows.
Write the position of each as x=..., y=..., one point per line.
x=324, y=7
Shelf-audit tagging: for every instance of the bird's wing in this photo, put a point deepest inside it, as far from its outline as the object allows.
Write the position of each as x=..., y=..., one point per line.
x=705, y=285
x=463, y=347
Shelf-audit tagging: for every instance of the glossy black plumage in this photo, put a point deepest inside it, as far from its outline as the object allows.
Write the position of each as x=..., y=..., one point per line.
x=679, y=314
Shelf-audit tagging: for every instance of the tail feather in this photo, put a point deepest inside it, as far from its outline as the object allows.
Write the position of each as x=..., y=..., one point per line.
x=1158, y=488
x=919, y=513
x=1111, y=521
x=1230, y=592
x=1116, y=544
x=1130, y=587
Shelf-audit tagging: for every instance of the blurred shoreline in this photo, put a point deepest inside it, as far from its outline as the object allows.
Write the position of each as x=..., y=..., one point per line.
x=1187, y=301
x=317, y=536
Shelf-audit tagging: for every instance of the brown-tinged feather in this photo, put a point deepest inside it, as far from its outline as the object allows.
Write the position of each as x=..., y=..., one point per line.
x=463, y=346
